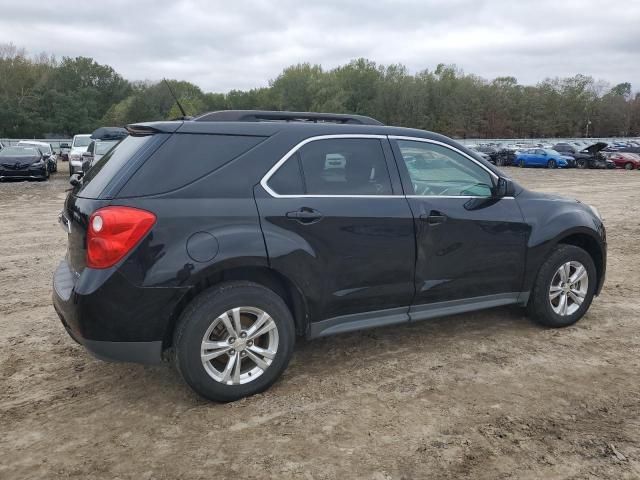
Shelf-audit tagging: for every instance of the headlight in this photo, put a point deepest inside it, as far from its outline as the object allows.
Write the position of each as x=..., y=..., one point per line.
x=595, y=211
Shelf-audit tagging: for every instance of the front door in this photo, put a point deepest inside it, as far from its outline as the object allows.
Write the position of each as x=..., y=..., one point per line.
x=335, y=222
x=470, y=245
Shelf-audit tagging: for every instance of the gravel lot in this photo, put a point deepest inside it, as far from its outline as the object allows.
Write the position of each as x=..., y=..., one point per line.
x=487, y=395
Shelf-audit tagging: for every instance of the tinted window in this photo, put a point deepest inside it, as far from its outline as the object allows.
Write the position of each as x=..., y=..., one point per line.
x=435, y=170
x=347, y=166
x=184, y=158
x=101, y=173
x=288, y=180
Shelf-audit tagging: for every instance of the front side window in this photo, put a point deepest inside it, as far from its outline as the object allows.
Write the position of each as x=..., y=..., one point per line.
x=435, y=170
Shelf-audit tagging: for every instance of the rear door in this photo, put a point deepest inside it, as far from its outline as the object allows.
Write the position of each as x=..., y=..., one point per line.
x=336, y=223
x=470, y=245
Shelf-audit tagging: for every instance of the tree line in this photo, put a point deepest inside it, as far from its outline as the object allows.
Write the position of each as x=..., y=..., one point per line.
x=40, y=95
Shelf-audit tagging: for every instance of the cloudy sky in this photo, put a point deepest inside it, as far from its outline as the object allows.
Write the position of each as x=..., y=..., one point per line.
x=221, y=45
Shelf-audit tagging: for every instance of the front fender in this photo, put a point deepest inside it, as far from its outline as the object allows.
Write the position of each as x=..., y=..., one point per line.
x=554, y=220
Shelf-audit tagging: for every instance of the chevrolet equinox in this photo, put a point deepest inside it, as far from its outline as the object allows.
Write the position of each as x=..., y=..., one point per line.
x=214, y=242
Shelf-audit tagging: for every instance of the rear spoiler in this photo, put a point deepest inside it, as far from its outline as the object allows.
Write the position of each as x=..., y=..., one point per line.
x=151, y=128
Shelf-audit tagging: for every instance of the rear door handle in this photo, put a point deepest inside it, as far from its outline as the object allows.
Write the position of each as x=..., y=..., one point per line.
x=305, y=215
x=433, y=218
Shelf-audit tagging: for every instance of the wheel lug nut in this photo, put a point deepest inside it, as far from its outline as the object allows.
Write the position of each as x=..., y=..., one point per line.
x=243, y=334
x=231, y=340
x=249, y=343
x=232, y=352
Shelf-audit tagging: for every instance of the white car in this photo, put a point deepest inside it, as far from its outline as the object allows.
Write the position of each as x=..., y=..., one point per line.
x=78, y=147
x=47, y=151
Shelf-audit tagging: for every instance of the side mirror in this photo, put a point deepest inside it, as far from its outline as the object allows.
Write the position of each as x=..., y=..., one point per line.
x=87, y=154
x=46, y=155
x=75, y=179
x=504, y=188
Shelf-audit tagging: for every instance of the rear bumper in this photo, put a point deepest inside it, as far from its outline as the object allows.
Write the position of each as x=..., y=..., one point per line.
x=113, y=319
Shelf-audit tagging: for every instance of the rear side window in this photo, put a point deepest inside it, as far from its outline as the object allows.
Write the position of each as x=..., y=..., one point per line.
x=184, y=158
x=288, y=179
x=346, y=166
x=103, y=171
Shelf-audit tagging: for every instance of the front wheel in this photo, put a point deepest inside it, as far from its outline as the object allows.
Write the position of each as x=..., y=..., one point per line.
x=564, y=288
x=582, y=163
x=521, y=163
x=234, y=340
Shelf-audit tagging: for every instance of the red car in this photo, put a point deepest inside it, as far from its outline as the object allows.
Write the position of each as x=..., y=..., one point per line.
x=625, y=160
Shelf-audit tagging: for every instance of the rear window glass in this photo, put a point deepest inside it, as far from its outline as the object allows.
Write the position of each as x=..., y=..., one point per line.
x=100, y=174
x=288, y=180
x=184, y=158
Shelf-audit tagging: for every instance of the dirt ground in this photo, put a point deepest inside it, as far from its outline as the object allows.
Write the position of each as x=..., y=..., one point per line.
x=486, y=395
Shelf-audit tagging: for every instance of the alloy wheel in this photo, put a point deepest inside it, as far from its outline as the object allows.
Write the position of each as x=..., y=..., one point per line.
x=568, y=288
x=239, y=345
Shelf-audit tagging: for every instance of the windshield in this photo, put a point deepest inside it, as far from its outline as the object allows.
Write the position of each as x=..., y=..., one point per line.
x=81, y=141
x=19, y=152
x=103, y=147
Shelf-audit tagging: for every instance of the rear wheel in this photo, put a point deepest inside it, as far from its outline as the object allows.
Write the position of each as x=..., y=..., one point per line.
x=564, y=288
x=581, y=163
x=521, y=164
x=551, y=164
x=234, y=340
x=628, y=166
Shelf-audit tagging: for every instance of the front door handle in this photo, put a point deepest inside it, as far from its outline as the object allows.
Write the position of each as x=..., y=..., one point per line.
x=434, y=217
x=305, y=215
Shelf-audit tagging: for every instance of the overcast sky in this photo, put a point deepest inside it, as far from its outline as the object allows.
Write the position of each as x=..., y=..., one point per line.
x=243, y=44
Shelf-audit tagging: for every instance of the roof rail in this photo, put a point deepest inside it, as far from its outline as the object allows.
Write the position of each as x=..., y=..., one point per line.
x=274, y=116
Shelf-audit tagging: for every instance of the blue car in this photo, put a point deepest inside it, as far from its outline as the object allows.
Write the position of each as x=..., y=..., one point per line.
x=543, y=157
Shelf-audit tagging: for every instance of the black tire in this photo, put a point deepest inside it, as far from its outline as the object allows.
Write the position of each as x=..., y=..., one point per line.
x=521, y=163
x=539, y=306
x=581, y=163
x=199, y=316
x=628, y=166
x=551, y=163
x=71, y=170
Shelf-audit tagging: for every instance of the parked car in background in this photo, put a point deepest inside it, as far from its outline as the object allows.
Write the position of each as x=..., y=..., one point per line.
x=46, y=148
x=102, y=140
x=592, y=157
x=65, y=147
x=626, y=160
x=79, y=145
x=538, y=157
x=284, y=224
x=23, y=162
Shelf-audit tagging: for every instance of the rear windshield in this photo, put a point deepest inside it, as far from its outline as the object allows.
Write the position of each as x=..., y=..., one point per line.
x=100, y=174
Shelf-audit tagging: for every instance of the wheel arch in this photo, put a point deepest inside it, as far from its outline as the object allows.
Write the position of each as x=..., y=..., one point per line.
x=593, y=247
x=261, y=275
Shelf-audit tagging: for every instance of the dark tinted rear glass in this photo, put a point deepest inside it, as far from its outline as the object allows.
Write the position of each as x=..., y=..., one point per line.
x=288, y=180
x=184, y=158
x=100, y=174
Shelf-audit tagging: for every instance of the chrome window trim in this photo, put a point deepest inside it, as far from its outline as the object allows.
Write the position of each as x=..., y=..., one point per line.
x=289, y=154
x=292, y=151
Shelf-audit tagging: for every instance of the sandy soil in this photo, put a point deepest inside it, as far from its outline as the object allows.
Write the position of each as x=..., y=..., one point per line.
x=488, y=395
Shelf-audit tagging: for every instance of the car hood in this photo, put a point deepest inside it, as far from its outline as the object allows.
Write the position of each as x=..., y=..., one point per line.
x=78, y=149
x=595, y=148
x=11, y=161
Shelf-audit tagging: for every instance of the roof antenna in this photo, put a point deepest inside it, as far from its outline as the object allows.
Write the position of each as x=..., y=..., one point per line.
x=184, y=114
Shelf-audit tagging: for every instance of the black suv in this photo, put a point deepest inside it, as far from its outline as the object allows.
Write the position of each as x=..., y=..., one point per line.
x=214, y=242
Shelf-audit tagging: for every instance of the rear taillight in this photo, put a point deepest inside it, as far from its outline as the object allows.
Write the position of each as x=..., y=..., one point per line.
x=113, y=232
